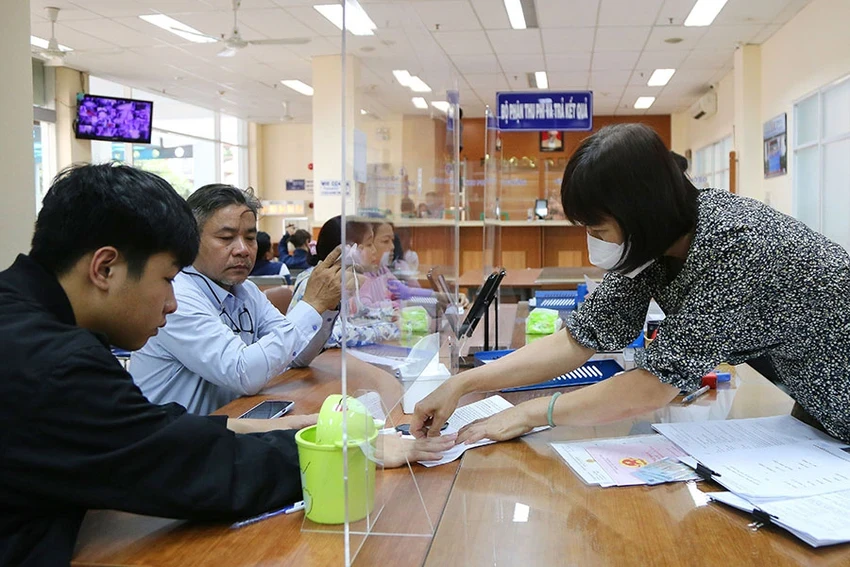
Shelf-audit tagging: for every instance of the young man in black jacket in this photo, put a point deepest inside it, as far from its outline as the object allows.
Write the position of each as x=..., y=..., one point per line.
x=75, y=432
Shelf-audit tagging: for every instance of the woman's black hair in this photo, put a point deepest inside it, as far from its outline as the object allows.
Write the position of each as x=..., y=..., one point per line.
x=625, y=172
x=330, y=236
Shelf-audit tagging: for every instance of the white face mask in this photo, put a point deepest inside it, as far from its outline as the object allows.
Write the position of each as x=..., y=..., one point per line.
x=385, y=259
x=606, y=255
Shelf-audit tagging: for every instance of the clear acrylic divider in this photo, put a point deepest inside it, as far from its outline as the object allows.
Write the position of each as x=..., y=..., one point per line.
x=400, y=207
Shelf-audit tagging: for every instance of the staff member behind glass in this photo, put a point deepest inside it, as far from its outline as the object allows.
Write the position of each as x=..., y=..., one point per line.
x=226, y=339
x=736, y=279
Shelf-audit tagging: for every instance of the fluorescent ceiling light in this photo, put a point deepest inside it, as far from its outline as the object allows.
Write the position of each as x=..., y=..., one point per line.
x=178, y=28
x=298, y=86
x=402, y=76
x=441, y=105
x=521, y=512
x=42, y=43
x=660, y=77
x=644, y=102
x=417, y=85
x=419, y=102
x=704, y=12
x=364, y=111
x=357, y=21
x=541, y=79
x=515, y=15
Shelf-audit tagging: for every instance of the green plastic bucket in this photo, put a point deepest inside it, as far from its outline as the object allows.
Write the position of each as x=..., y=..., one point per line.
x=321, y=466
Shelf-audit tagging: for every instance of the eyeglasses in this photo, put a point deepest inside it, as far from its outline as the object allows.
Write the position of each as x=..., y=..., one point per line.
x=245, y=323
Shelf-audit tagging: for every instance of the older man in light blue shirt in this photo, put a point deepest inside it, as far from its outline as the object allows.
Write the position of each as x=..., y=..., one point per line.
x=226, y=339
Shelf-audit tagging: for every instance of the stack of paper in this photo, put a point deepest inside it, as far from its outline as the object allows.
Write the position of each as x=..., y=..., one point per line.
x=779, y=466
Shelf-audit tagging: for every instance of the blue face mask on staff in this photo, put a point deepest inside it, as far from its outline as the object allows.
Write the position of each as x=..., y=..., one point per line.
x=606, y=255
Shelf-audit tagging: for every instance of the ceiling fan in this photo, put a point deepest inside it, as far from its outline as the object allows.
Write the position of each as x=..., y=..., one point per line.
x=52, y=55
x=234, y=42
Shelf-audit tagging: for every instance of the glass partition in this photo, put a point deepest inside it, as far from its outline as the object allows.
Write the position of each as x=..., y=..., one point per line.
x=392, y=180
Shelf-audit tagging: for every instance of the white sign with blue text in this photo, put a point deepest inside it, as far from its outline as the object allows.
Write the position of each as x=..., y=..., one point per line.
x=545, y=111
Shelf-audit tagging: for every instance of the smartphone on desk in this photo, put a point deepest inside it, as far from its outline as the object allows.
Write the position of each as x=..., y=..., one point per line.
x=268, y=409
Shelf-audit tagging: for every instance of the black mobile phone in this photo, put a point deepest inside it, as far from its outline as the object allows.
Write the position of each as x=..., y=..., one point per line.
x=405, y=428
x=482, y=303
x=268, y=409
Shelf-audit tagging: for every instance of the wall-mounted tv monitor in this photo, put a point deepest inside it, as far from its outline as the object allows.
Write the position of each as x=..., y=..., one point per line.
x=113, y=119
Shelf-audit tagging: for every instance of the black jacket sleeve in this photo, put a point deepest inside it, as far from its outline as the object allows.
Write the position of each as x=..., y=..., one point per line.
x=98, y=443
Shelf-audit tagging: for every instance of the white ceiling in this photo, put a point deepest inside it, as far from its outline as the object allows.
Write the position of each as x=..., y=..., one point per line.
x=608, y=46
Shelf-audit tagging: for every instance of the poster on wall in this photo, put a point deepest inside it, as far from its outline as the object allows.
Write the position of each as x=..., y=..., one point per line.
x=551, y=141
x=775, y=147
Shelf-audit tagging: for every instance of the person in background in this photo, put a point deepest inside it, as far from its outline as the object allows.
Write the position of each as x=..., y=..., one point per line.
x=226, y=339
x=78, y=434
x=265, y=264
x=282, y=250
x=735, y=278
x=372, y=312
x=407, y=260
x=301, y=243
x=408, y=208
x=434, y=205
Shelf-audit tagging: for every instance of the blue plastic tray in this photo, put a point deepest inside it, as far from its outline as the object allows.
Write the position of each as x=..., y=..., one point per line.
x=590, y=372
x=562, y=300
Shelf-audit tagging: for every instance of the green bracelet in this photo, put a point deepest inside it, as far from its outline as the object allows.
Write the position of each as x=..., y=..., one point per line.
x=551, y=409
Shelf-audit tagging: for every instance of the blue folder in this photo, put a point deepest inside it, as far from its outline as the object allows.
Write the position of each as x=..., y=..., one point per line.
x=590, y=372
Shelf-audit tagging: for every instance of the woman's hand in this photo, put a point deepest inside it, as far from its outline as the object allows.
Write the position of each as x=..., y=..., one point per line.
x=505, y=425
x=396, y=451
x=434, y=410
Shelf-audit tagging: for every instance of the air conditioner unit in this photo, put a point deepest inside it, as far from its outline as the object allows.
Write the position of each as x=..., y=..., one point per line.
x=705, y=107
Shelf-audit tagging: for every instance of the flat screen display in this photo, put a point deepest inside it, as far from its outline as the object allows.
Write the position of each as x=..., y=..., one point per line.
x=113, y=119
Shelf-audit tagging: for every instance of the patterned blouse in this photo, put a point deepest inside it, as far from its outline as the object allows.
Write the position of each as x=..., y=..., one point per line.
x=755, y=282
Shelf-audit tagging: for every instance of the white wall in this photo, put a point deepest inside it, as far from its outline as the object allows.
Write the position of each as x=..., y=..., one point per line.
x=811, y=50
x=689, y=134
x=17, y=215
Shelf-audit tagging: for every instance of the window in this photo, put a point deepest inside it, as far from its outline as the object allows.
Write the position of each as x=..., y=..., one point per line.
x=711, y=165
x=44, y=148
x=190, y=147
x=821, y=172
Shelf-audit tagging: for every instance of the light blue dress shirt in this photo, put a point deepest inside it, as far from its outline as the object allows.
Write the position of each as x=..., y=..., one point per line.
x=220, y=345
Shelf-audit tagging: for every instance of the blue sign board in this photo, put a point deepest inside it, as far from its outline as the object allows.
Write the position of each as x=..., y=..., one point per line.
x=540, y=111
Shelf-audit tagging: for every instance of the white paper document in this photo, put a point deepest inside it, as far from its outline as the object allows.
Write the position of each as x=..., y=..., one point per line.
x=765, y=459
x=467, y=414
x=611, y=462
x=817, y=520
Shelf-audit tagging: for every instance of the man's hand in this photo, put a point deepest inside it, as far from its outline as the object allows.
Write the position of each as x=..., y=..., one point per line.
x=263, y=425
x=505, y=425
x=323, y=286
x=431, y=413
x=396, y=451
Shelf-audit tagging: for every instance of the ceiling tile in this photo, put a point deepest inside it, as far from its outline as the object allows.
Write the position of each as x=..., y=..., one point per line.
x=314, y=20
x=709, y=58
x=675, y=10
x=452, y=15
x=719, y=37
x=662, y=59
x=566, y=13
x=492, y=15
x=614, y=60
x=522, y=63
x=114, y=32
x=464, y=43
x=477, y=63
x=274, y=24
x=70, y=37
x=486, y=80
x=765, y=33
x=689, y=36
x=568, y=62
x=568, y=80
x=628, y=12
x=567, y=40
x=621, y=38
x=607, y=79
x=515, y=41
x=67, y=10
x=749, y=12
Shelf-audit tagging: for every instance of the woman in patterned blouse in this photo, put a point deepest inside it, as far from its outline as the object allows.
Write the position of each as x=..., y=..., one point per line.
x=736, y=279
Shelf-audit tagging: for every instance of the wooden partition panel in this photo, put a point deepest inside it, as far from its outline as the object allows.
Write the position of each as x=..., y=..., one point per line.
x=565, y=246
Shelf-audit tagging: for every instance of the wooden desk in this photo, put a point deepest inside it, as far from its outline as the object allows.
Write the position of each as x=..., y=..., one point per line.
x=118, y=538
x=479, y=504
x=563, y=278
